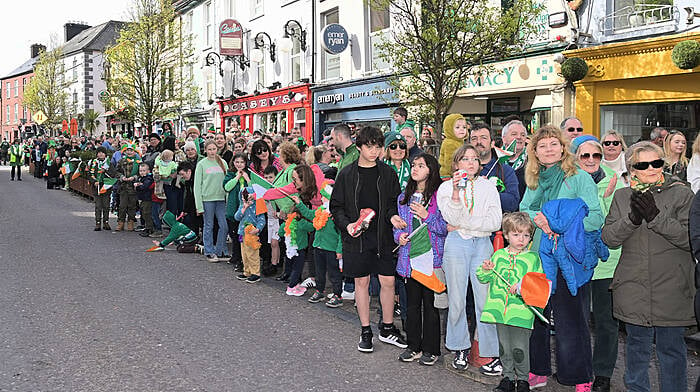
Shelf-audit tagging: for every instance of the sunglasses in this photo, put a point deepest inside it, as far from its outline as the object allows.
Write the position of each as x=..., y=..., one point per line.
x=609, y=143
x=210, y=137
x=656, y=164
x=394, y=146
x=596, y=155
x=260, y=151
x=572, y=129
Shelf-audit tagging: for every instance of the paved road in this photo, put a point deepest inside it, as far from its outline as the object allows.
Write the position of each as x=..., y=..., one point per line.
x=90, y=311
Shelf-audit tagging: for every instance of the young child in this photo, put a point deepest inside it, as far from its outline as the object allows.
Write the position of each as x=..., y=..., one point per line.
x=99, y=169
x=128, y=170
x=236, y=179
x=186, y=170
x=273, y=222
x=164, y=170
x=297, y=228
x=247, y=216
x=179, y=234
x=54, y=173
x=455, y=129
x=504, y=307
x=144, y=187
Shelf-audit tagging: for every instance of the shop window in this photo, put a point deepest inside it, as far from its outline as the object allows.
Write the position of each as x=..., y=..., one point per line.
x=331, y=63
x=635, y=122
x=379, y=23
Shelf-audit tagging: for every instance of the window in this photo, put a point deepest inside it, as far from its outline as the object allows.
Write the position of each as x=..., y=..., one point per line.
x=24, y=113
x=16, y=112
x=24, y=84
x=256, y=8
x=378, y=33
x=296, y=59
x=16, y=87
x=75, y=97
x=75, y=69
x=635, y=121
x=261, y=73
x=208, y=28
x=209, y=89
x=231, y=8
x=189, y=19
x=330, y=62
x=7, y=113
x=7, y=88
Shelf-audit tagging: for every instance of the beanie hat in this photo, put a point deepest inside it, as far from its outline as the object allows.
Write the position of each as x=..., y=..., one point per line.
x=391, y=137
x=576, y=143
x=154, y=135
x=189, y=144
x=193, y=129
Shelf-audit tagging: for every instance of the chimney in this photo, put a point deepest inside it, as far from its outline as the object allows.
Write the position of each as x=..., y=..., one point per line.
x=37, y=49
x=71, y=29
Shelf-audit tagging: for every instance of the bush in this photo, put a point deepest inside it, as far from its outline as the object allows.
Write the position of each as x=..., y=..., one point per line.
x=686, y=54
x=574, y=69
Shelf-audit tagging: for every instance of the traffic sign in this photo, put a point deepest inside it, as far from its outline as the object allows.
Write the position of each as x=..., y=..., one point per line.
x=39, y=117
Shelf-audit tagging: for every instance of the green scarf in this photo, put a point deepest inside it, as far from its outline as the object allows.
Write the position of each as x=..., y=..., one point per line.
x=404, y=172
x=551, y=180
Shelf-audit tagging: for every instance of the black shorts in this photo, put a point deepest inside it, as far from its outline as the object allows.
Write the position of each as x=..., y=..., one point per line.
x=360, y=264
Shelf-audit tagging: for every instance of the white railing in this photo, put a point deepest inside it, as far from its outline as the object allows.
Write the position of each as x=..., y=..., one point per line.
x=636, y=17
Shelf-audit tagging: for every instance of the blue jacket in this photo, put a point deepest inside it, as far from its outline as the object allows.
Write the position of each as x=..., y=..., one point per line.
x=437, y=231
x=249, y=217
x=572, y=251
x=143, y=192
x=510, y=197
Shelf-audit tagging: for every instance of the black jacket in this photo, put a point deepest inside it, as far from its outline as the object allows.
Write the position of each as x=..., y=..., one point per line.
x=344, y=201
x=143, y=191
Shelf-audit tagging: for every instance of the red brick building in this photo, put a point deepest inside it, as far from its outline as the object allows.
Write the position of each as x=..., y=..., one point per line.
x=15, y=118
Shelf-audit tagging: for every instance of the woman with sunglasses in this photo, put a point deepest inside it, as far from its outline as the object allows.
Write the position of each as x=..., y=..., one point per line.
x=652, y=287
x=552, y=176
x=589, y=154
x=396, y=156
x=261, y=157
x=674, y=148
x=614, y=147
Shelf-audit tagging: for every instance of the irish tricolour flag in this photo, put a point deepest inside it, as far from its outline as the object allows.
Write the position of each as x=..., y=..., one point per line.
x=504, y=154
x=107, y=184
x=421, y=256
x=260, y=186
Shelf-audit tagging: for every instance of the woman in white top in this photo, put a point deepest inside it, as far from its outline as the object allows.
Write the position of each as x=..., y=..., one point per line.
x=471, y=206
x=614, y=154
x=694, y=166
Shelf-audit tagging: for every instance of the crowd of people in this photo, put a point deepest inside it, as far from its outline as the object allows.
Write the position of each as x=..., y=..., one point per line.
x=614, y=228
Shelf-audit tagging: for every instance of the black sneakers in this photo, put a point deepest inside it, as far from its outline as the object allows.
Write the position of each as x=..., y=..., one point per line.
x=365, y=344
x=460, y=360
x=601, y=384
x=253, y=279
x=409, y=355
x=506, y=385
x=389, y=334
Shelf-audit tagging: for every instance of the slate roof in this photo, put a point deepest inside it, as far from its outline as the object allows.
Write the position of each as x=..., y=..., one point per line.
x=25, y=68
x=94, y=38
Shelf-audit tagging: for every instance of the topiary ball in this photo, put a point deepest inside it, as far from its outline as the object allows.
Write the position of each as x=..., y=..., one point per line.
x=686, y=54
x=574, y=69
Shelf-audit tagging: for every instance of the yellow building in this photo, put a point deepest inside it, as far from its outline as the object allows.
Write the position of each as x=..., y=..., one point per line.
x=634, y=86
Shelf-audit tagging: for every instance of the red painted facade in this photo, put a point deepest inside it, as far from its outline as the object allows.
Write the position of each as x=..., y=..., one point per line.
x=290, y=100
x=11, y=125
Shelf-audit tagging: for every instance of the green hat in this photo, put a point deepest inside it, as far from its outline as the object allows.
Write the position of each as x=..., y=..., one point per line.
x=52, y=143
x=391, y=137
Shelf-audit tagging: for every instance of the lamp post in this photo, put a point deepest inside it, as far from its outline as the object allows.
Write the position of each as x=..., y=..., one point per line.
x=293, y=29
x=256, y=55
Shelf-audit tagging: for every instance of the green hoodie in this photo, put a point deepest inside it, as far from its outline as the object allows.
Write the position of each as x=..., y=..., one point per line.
x=179, y=233
x=327, y=237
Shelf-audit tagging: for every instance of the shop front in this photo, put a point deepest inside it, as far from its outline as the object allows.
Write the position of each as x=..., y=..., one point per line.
x=529, y=87
x=274, y=111
x=359, y=103
x=633, y=87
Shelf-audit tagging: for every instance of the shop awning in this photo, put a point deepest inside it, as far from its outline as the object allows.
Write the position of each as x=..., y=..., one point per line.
x=542, y=102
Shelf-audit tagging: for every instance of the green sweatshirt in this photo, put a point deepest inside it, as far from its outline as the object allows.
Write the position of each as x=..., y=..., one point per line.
x=327, y=238
x=208, y=183
x=502, y=307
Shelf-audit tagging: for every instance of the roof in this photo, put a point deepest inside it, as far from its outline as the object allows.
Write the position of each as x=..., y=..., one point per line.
x=25, y=68
x=94, y=38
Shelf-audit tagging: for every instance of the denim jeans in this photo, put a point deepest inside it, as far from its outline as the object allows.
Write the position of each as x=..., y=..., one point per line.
x=155, y=214
x=215, y=210
x=605, y=329
x=573, y=338
x=460, y=262
x=670, y=351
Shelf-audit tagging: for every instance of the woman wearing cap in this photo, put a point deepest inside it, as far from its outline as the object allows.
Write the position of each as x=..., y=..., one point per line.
x=589, y=154
x=396, y=156
x=652, y=287
x=553, y=179
x=614, y=147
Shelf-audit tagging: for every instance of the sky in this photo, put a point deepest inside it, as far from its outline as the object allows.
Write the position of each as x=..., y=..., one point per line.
x=26, y=22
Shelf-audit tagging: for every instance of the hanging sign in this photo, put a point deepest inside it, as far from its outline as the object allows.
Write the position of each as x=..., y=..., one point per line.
x=230, y=38
x=334, y=38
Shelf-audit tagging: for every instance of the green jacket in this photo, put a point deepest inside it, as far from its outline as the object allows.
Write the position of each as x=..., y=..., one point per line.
x=179, y=233
x=304, y=227
x=502, y=307
x=233, y=200
x=350, y=155
x=127, y=167
x=606, y=269
x=326, y=238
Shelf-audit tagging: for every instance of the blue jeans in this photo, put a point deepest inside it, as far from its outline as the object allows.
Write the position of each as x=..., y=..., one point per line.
x=460, y=262
x=155, y=214
x=670, y=351
x=212, y=210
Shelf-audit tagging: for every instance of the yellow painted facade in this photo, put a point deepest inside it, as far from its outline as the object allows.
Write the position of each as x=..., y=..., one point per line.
x=632, y=72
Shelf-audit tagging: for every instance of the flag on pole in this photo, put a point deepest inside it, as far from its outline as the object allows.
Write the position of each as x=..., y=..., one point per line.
x=76, y=174
x=505, y=154
x=535, y=289
x=421, y=256
x=260, y=186
x=107, y=184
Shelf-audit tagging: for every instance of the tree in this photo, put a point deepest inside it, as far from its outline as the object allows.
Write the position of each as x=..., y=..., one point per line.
x=90, y=120
x=148, y=63
x=435, y=45
x=46, y=91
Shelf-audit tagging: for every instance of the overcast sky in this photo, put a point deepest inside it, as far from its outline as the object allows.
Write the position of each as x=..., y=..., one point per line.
x=26, y=22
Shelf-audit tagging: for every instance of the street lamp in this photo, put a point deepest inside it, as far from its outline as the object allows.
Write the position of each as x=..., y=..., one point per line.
x=293, y=29
x=256, y=55
x=227, y=63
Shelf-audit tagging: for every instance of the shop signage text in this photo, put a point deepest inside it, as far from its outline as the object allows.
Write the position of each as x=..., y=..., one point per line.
x=258, y=103
x=492, y=79
x=340, y=97
x=531, y=72
x=230, y=38
x=334, y=38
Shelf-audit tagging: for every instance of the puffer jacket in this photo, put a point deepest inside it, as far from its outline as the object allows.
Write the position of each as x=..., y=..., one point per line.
x=653, y=282
x=437, y=231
